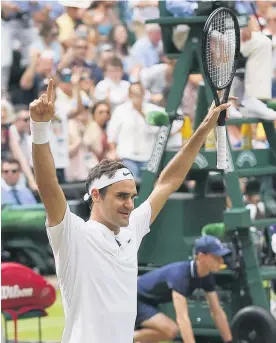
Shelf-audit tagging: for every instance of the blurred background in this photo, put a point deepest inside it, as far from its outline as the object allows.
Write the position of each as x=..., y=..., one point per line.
x=107, y=65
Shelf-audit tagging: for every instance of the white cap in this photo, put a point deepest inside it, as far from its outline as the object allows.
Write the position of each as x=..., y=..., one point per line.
x=76, y=3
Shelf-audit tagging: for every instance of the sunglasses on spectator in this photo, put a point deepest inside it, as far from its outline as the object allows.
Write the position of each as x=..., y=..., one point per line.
x=13, y=171
x=83, y=78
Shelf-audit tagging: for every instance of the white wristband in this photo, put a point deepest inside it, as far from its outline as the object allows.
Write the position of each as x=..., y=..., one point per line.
x=40, y=131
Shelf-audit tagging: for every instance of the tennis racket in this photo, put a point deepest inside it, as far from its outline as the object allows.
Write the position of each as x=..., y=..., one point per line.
x=220, y=53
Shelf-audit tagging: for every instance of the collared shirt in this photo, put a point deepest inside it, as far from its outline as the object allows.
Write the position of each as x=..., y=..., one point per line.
x=118, y=92
x=97, y=277
x=145, y=53
x=17, y=195
x=133, y=137
x=156, y=286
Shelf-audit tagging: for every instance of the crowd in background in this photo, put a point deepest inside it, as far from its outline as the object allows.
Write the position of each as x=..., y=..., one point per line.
x=107, y=65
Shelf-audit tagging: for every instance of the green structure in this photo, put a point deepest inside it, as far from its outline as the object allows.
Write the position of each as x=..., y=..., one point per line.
x=180, y=222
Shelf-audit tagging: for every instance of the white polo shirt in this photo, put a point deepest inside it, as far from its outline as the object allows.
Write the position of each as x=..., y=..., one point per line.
x=134, y=138
x=97, y=278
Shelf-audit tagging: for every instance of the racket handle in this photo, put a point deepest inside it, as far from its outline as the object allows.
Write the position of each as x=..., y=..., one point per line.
x=221, y=148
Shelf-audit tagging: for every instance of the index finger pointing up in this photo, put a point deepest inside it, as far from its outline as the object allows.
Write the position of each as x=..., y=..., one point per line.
x=50, y=90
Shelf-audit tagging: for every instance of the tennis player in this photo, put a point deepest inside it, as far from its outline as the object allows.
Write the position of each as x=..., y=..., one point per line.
x=96, y=261
x=175, y=282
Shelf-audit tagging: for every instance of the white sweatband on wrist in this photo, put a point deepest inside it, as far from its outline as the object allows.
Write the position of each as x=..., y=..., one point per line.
x=40, y=131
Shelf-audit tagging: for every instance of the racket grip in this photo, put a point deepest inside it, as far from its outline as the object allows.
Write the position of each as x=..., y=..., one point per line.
x=221, y=148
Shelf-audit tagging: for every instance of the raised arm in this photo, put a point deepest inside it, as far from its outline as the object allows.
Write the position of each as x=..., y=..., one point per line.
x=172, y=177
x=42, y=112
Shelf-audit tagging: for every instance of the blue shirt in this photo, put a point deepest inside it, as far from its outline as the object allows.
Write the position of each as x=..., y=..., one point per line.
x=145, y=53
x=156, y=286
x=23, y=194
x=186, y=8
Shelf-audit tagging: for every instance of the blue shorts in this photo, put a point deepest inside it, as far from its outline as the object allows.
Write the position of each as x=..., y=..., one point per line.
x=144, y=312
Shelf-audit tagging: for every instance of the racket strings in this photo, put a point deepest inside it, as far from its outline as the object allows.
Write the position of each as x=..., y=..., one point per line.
x=220, y=49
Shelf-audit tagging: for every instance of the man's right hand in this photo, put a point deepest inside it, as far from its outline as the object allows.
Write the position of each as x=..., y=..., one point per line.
x=42, y=109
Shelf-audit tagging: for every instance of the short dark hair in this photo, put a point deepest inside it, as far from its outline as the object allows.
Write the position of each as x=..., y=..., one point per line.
x=114, y=62
x=97, y=104
x=105, y=167
x=137, y=83
x=11, y=161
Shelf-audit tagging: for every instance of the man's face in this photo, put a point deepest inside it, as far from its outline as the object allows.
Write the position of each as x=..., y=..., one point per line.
x=155, y=36
x=114, y=73
x=117, y=204
x=10, y=173
x=136, y=94
x=211, y=262
x=80, y=49
x=23, y=122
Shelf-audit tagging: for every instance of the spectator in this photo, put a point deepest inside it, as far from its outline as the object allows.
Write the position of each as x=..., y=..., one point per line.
x=131, y=139
x=48, y=41
x=255, y=47
x=87, y=140
x=158, y=80
x=20, y=146
x=95, y=137
x=142, y=11
x=40, y=68
x=119, y=38
x=87, y=86
x=6, y=38
x=68, y=103
x=67, y=22
x=252, y=199
x=147, y=50
x=103, y=17
x=80, y=158
x=7, y=117
x=77, y=56
x=112, y=88
x=13, y=192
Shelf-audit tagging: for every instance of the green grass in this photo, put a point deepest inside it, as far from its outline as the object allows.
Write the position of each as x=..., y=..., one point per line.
x=52, y=326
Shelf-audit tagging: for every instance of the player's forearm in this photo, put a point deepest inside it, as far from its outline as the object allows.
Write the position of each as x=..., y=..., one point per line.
x=44, y=167
x=186, y=330
x=222, y=325
x=45, y=175
x=178, y=168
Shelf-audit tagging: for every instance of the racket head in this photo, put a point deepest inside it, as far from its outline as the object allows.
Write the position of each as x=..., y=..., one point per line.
x=220, y=48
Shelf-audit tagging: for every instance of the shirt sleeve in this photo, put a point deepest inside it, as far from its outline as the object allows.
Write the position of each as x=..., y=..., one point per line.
x=140, y=220
x=64, y=239
x=100, y=91
x=208, y=283
x=179, y=282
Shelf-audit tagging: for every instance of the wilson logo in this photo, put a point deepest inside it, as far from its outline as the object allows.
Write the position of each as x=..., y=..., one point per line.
x=246, y=157
x=14, y=292
x=201, y=161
